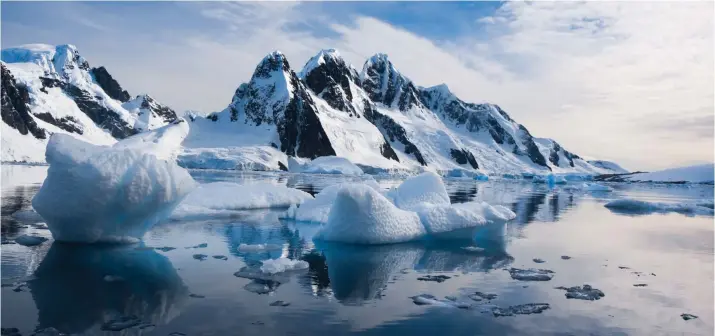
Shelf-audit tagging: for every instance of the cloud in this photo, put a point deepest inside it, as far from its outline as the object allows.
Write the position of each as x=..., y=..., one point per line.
x=610, y=80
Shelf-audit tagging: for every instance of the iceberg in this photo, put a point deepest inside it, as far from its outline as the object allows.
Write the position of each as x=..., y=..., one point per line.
x=361, y=215
x=316, y=210
x=99, y=193
x=325, y=165
x=426, y=188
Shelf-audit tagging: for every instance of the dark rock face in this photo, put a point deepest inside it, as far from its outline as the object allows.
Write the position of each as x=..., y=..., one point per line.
x=531, y=149
x=393, y=131
x=109, y=84
x=15, y=111
x=155, y=107
x=69, y=123
x=331, y=81
x=294, y=115
x=463, y=156
x=100, y=115
x=399, y=91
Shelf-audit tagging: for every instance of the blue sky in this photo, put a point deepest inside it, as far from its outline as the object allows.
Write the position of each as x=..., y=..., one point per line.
x=608, y=80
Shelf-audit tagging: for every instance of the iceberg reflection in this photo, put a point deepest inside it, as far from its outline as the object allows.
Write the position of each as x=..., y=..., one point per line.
x=79, y=287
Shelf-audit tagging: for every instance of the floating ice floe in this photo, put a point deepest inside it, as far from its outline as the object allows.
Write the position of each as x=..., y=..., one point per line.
x=531, y=274
x=419, y=207
x=316, y=210
x=232, y=196
x=549, y=179
x=637, y=207
x=431, y=300
x=98, y=193
x=522, y=309
x=582, y=293
x=273, y=266
x=258, y=247
x=324, y=165
x=595, y=187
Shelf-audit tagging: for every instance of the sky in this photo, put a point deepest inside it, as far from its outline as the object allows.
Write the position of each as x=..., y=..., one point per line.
x=631, y=82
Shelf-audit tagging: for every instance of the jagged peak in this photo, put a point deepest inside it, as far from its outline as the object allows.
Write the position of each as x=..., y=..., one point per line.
x=274, y=61
x=324, y=56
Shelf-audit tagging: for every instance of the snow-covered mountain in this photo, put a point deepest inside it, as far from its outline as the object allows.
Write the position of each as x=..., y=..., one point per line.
x=52, y=89
x=377, y=117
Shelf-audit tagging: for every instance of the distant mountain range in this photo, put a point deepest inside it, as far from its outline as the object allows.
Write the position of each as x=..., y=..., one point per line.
x=377, y=117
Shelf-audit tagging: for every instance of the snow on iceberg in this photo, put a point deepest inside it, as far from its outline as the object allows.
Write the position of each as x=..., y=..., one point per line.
x=317, y=210
x=361, y=215
x=426, y=188
x=636, y=207
x=233, y=196
x=97, y=193
x=324, y=165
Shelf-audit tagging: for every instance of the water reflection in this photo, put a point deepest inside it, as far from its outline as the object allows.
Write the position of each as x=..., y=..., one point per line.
x=79, y=287
x=356, y=274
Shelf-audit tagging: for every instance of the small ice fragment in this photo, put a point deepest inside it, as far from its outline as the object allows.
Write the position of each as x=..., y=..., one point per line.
x=687, y=316
x=220, y=257
x=112, y=278
x=121, y=323
x=26, y=240
x=538, y=261
x=405, y=271
x=451, y=298
x=197, y=296
x=523, y=309
x=261, y=286
x=200, y=257
x=273, y=266
x=565, y=257
x=582, y=293
x=279, y=303
x=473, y=249
x=435, y=278
x=478, y=296
x=624, y=267
x=531, y=274
x=202, y=245
x=640, y=285
x=258, y=247
x=166, y=248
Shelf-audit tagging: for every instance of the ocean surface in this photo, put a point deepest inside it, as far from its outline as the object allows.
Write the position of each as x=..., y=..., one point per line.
x=192, y=289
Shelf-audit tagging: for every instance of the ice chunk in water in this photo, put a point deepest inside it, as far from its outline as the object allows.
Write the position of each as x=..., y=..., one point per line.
x=232, y=196
x=582, y=293
x=531, y=274
x=361, y=215
x=26, y=240
x=424, y=188
x=96, y=193
x=258, y=247
x=325, y=165
x=317, y=210
x=273, y=266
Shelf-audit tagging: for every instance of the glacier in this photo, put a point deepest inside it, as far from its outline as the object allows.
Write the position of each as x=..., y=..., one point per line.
x=112, y=194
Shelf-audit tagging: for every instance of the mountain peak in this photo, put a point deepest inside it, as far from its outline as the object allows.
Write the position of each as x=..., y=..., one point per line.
x=274, y=61
x=325, y=56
